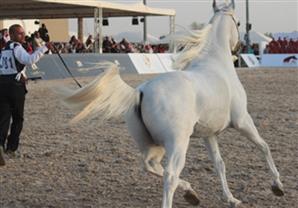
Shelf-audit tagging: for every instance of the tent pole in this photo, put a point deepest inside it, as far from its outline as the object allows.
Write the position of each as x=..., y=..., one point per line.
x=247, y=28
x=95, y=31
x=145, y=26
x=172, y=47
x=80, y=29
x=98, y=30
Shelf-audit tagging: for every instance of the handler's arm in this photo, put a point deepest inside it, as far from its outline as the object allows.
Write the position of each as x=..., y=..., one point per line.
x=28, y=59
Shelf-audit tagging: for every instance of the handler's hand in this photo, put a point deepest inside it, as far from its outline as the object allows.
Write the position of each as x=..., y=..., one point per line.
x=50, y=46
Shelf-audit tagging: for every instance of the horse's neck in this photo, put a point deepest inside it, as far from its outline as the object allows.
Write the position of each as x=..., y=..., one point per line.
x=220, y=38
x=217, y=47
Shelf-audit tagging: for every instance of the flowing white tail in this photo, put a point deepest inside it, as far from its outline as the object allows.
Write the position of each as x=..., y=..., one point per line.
x=108, y=96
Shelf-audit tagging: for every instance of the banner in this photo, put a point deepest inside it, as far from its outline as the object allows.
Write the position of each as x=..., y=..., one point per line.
x=166, y=60
x=51, y=67
x=279, y=60
x=147, y=63
x=250, y=60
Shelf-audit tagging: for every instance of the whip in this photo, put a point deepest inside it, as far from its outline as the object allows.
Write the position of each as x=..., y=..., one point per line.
x=66, y=67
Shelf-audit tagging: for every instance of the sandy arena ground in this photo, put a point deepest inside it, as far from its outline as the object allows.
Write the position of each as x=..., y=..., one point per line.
x=98, y=165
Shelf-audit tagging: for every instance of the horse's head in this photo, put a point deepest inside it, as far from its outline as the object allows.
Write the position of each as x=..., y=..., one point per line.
x=227, y=9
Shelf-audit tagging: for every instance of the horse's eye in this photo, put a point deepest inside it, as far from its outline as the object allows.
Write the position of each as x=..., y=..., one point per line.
x=238, y=24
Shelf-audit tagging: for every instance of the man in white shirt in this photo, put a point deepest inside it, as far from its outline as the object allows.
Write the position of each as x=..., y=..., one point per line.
x=13, y=59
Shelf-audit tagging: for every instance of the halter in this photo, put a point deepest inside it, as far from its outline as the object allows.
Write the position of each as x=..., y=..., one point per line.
x=238, y=44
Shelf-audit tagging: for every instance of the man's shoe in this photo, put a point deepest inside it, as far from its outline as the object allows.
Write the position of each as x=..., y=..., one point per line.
x=12, y=154
x=2, y=160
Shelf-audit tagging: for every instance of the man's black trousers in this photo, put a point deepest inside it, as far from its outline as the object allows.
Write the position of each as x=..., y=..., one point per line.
x=12, y=99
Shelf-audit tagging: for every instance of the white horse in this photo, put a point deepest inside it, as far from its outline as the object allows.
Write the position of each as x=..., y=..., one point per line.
x=203, y=99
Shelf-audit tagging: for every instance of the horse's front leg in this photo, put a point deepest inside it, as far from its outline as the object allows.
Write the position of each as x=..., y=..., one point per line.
x=214, y=154
x=248, y=129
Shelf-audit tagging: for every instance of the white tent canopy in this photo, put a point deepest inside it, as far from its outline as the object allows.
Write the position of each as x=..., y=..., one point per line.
x=53, y=9
x=135, y=37
x=166, y=39
x=292, y=35
x=256, y=37
x=46, y=9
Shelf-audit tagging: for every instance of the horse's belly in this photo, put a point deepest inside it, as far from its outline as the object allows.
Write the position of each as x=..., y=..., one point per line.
x=202, y=131
x=211, y=127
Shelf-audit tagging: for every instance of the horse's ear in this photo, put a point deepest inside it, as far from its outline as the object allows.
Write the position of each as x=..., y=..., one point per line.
x=214, y=5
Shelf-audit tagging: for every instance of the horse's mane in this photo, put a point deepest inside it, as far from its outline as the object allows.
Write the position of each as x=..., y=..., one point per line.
x=192, y=45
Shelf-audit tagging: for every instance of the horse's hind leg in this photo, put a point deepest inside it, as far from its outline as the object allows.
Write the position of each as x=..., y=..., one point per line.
x=152, y=164
x=176, y=154
x=214, y=154
x=248, y=129
x=153, y=154
x=152, y=158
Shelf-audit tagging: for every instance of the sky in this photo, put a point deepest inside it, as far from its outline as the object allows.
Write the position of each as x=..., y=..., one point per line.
x=265, y=16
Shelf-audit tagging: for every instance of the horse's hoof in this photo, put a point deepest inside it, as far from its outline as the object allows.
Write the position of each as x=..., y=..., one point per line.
x=277, y=190
x=191, y=197
x=235, y=203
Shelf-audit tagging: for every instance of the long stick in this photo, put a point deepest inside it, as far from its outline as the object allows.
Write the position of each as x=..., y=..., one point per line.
x=66, y=67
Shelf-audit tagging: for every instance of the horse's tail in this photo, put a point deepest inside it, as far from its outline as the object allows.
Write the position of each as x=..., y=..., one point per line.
x=107, y=96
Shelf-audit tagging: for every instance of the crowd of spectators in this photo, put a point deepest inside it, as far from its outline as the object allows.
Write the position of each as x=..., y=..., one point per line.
x=109, y=46
x=124, y=46
x=4, y=38
x=74, y=45
x=282, y=46
x=279, y=46
x=253, y=49
x=41, y=36
x=35, y=40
